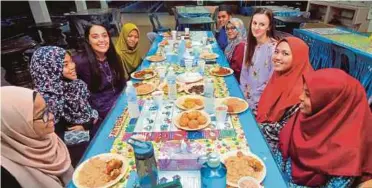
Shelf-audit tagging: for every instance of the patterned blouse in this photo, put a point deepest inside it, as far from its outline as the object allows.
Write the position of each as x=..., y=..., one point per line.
x=333, y=181
x=254, y=78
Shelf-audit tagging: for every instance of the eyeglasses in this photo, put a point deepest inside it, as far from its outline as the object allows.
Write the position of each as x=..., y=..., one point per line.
x=230, y=28
x=45, y=116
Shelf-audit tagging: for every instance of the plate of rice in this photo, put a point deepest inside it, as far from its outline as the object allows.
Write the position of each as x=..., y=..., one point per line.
x=100, y=171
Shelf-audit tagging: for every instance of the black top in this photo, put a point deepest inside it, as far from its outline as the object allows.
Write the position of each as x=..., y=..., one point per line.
x=8, y=180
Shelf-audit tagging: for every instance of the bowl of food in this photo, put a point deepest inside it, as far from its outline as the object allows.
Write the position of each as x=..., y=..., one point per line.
x=221, y=71
x=192, y=120
x=100, y=171
x=248, y=182
x=143, y=74
x=144, y=88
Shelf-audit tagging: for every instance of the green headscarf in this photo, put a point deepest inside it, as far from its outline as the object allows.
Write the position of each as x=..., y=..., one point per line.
x=130, y=59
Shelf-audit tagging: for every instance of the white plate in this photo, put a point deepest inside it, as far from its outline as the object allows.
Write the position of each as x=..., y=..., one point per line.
x=214, y=74
x=221, y=101
x=181, y=100
x=189, y=77
x=149, y=77
x=148, y=59
x=106, y=157
x=209, y=58
x=178, y=116
x=153, y=87
x=246, y=153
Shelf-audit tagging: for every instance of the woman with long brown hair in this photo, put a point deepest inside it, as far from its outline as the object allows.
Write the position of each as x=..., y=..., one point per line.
x=257, y=67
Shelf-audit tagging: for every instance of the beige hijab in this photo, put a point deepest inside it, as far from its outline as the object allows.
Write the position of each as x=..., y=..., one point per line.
x=34, y=161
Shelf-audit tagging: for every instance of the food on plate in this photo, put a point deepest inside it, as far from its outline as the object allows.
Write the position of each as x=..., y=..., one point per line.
x=197, y=89
x=221, y=71
x=143, y=88
x=242, y=165
x=97, y=172
x=188, y=44
x=248, y=183
x=190, y=103
x=142, y=74
x=156, y=58
x=208, y=56
x=235, y=105
x=164, y=43
x=192, y=119
x=166, y=34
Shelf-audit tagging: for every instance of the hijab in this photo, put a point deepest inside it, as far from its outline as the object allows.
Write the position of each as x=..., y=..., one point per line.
x=65, y=98
x=335, y=140
x=25, y=154
x=130, y=58
x=241, y=37
x=283, y=89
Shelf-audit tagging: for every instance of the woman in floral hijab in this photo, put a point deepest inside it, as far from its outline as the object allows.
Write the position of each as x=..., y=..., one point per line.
x=237, y=35
x=54, y=76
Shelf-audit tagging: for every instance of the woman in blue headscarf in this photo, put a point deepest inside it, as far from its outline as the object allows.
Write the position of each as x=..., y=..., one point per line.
x=54, y=76
x=237, y=36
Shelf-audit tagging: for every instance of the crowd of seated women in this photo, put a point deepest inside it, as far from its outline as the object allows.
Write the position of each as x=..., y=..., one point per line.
x=317, y=123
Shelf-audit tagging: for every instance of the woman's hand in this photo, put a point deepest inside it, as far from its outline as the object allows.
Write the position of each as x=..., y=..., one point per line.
x=76, y=128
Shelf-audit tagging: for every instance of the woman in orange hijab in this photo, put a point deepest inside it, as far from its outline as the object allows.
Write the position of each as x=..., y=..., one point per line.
x=328, y=142
x=279, y=101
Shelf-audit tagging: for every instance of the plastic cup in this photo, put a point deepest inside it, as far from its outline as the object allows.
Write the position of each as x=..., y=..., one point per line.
x=187, y=31
x=221, y=113
x=157, y=96
x=161, y=72
x=201, y=66
x=174, y=35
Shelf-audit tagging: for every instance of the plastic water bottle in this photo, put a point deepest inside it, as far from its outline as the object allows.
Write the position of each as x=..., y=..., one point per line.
x=209, y=95
x=213, y=173
x=133, y=107
x=181, y=50
x=172, y=86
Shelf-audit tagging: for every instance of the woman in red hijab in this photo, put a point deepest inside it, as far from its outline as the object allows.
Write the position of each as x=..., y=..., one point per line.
x=279, y=101
x=328, y=142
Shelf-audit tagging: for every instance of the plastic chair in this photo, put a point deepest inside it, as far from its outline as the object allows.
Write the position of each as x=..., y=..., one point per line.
x=157, y=27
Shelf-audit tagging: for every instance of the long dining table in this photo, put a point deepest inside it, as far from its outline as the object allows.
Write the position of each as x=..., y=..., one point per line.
x=109, y=137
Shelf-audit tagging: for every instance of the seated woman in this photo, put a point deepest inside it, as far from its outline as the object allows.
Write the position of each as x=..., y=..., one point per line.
x=127, y=47
x=257, y=68
x=101, y=69
x=279, y=101
x=328, y=142
x=54, y=76
x=234, y=51
x=32, y=155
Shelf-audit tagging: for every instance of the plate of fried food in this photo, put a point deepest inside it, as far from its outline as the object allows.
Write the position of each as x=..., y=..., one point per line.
x=221, y=71
x=100, y=171
x=209, y=56
x=143, y=74
x=155, y=58
x=195, y=89
x=190, y=102
x=192, y=120
x=234, y=105
x=164, y=87
x=164, y=42
x=143, y=88
x=241, y=164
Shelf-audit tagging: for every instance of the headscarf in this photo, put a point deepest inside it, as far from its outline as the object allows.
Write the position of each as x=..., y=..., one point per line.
x=241, y=37
x=67, y=99
x=283, y=90
x=336, y=139
x=130, y=58
x=21, y=146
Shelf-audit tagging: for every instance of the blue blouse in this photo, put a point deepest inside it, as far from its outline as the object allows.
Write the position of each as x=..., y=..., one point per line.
x=333, y=181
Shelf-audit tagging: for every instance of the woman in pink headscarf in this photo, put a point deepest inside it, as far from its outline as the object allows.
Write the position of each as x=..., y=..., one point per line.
x=31, y=153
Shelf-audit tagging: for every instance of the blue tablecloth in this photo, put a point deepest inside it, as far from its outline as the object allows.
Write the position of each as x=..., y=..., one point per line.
x=102, y=143
x=192, y=11
x=326, y=51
